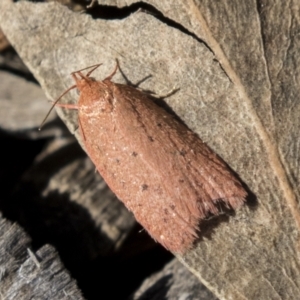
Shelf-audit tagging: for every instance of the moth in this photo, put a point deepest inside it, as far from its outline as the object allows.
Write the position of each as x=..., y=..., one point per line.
x=162, y=171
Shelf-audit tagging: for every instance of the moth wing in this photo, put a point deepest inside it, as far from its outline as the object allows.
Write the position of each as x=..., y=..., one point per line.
x=161, y=170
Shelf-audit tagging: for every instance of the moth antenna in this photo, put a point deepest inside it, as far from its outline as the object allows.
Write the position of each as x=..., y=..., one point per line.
x=55, y=102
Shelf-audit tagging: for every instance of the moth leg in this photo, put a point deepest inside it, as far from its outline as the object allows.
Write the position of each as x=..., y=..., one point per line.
x=94, y=68
x=86, y=77
x=117, y=67
x=136, y=85
x=159, y=97
x=128, y=82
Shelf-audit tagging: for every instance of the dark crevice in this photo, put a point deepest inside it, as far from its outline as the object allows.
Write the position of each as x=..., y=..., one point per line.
x=260, y=7
x=108, y=12
x=261, y=11
x=222, y=68
x=112, y=12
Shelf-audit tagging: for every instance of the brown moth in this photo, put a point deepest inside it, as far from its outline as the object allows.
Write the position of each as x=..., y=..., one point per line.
x=160, y=169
